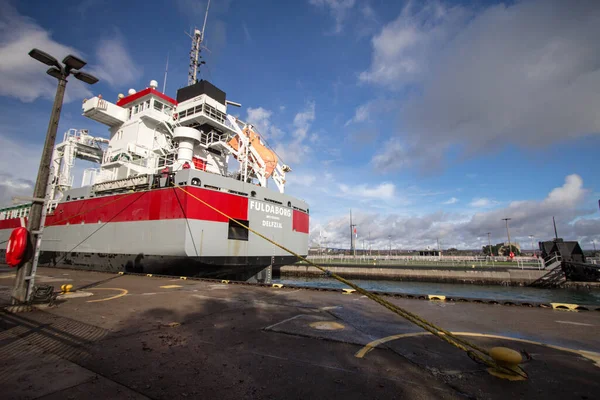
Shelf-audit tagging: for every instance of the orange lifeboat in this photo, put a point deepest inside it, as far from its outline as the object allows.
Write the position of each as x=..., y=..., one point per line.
x=268, y=156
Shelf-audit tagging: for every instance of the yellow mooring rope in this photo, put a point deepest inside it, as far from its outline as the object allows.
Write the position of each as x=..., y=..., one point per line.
x=474, y=351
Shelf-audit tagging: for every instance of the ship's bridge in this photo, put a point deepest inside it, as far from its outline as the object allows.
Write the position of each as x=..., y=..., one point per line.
x=145, y=104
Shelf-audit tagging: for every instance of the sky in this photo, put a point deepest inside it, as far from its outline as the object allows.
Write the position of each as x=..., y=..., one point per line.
x=430, y=120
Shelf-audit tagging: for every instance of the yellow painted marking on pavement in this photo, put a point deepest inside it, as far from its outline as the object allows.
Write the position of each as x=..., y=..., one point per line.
x=436, y=297
x=123, y=293
x=277, y=285
x=595, y=357
x=74, y=295
x=348, y=291
x=225, y=281
x=170, y=286
x=564, y=306
x=150, y=275
x=183, y=278
x=327, y=325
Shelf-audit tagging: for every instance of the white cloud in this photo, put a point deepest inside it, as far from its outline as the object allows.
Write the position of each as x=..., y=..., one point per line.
x=261, y=118
x=469, y=230
x=366, y=111
x=384, y=191
x=402, y=49
x=303, y=121
x=523, y=73
x=452, y=200
x=338, y=10
x=568, y=195
x=483, y=202
x=301, y=179
x=294, y=150
x=115, y=65
x=20, y=75
x=19, y=164
x=361, y=114
x=392, y=157
x=290, y=148
x=24, y=78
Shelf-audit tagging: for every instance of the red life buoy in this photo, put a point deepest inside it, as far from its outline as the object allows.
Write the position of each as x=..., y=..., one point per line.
x=17, y=246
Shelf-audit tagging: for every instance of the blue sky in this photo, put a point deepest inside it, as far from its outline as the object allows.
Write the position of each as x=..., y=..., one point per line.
x=429, y=119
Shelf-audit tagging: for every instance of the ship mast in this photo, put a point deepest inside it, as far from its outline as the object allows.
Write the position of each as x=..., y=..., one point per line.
x=195, y=56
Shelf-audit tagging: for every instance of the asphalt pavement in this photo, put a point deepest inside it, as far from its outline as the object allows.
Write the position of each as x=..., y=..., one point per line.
x=135, y=337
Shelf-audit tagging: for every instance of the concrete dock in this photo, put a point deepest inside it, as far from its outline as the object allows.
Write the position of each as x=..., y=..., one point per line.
x=486, y=275
x=136, y=337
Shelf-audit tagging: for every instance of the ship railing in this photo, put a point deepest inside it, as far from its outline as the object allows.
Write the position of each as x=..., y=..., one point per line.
x=205, y=109
x=22, y=210
x=208, y=138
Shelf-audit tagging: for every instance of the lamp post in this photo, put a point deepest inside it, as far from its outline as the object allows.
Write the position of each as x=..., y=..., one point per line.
x=490, y=244
x=70, y=65
x=508, y=234
x=532, y=248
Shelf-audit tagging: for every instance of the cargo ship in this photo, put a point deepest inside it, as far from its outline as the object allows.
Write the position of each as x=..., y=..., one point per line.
x=150, y=205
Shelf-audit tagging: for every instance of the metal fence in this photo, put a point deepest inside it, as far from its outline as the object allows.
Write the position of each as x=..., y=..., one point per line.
x=426, y=261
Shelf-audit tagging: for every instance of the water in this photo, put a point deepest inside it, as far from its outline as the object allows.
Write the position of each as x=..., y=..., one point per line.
x=493, y=292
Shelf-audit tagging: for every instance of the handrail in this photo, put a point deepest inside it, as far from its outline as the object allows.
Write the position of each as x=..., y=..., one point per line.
x=552, y=259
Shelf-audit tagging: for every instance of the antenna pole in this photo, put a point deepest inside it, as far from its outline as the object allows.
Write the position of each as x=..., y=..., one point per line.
x=205, y=18
x=166, y=70
x=555, y=232
x=197, y=39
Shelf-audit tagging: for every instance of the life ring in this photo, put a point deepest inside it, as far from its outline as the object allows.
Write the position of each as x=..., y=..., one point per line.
x=175, y=116
x=17, y=246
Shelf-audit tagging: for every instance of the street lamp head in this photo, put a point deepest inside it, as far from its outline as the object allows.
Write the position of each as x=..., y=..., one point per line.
x=73, y=62
x=87, y=78
x=44, y=57
x=55, y=72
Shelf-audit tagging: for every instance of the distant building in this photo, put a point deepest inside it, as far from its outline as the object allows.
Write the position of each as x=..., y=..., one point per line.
x=504, y=249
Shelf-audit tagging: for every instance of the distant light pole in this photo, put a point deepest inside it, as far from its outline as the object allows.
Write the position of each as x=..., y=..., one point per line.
x=532, y=248
x=594, y=242
x=390, y=240
x=508, y=234
x=490, y=244
x=70, y=65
